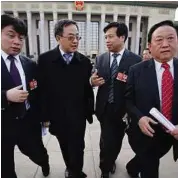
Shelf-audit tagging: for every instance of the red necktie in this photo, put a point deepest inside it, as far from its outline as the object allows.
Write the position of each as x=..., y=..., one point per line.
x=167, y=92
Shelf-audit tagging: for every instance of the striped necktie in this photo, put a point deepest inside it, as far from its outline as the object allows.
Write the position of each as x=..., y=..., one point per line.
x=67, y=57
x=113, y=73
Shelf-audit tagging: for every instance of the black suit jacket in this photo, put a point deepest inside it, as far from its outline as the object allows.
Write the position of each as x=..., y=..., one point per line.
x=10, y=110
x=103, y=67
x=142, y=92
x=65, y=91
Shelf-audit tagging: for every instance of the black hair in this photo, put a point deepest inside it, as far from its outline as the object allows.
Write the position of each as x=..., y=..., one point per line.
x=122, y=29
x=59, y=26
x=160, y=24
x=18, y=25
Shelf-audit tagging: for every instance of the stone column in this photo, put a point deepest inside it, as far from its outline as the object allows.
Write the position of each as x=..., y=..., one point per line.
x=70, y=15
x=29, y=24
x=137, y=34
x=127, y=17
x=115, y=17
x=15, y=13
x=55, y=17
x=101, y=37
x=42, y=32
x=88, y=33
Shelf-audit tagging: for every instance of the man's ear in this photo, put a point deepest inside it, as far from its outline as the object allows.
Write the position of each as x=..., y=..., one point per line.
x=57, y=38
x=149, y=46
x=123, y=38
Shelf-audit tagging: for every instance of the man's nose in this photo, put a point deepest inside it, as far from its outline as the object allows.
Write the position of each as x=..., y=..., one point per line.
x=165, y=43
x=17, y=40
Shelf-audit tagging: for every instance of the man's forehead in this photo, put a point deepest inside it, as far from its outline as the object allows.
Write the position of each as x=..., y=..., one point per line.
x=146, y=51
x=111, y=30
x=168, y=30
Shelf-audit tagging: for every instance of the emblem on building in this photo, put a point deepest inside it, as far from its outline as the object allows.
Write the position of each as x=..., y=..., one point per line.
x=79, y=5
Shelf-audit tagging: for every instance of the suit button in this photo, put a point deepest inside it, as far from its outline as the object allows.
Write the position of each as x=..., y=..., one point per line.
x=17, y=118
x=2, y=109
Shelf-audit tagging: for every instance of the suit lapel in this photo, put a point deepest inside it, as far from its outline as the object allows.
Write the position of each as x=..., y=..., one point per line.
x=6, y=75
x=107, y=64
x=25, y=69
x=175, y=98
x=123, y=60
x=57, y=56
x=151, y=79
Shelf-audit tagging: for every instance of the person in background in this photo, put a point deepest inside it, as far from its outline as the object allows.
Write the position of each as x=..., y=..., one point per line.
x=146, y=54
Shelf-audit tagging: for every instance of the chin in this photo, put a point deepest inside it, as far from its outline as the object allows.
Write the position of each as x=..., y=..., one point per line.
x=73, y=50
x=14, y=53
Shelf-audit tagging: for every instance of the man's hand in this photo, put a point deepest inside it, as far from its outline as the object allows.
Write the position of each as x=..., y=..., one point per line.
x=96, y=80
x=144, y=124
x=46, y=124
x=17, y=95
x=174, y=133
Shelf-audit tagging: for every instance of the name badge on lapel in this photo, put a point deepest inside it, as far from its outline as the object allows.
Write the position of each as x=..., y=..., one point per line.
x=122, y=77
x=33, y=84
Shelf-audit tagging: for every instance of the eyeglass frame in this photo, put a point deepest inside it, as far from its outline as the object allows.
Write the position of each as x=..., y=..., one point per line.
x=72, y=37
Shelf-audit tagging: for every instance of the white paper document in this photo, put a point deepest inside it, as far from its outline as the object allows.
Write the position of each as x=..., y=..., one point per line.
x=162, y=119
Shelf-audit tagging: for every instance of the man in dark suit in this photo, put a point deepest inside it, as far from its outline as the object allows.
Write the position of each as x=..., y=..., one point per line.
x=19, y=108
x=154, y=83
x=67, y=98
x=110, y=75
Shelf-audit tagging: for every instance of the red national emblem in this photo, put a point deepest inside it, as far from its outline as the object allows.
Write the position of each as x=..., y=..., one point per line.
x=79, y=5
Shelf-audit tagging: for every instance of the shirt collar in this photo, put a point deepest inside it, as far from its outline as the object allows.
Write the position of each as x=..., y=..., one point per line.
x=120, y=52
x=5, y=55
x=158, y=64
x=62, y=52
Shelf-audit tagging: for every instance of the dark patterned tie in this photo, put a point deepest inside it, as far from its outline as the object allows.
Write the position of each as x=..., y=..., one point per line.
x=20, y=108
x=14, y=71
x=113, y=73
x=67, y=57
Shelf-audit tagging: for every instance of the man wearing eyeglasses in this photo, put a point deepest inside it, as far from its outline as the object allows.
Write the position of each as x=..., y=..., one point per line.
x=67, y=98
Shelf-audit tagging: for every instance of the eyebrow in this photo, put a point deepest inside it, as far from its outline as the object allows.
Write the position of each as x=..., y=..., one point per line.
x=162, y=36
x=11, y=31
x=73, y=34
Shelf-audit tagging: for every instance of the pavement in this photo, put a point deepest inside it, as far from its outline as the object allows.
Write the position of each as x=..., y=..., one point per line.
x=25, y=168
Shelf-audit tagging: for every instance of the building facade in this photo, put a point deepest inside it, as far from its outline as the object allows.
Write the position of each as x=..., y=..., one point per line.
x=40, y=18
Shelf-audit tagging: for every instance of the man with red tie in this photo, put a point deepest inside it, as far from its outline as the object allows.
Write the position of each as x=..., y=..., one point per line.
x=154, y=83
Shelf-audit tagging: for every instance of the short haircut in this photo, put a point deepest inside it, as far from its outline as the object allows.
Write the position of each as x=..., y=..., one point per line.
x=59, y=26
x=160, y=24
x=18, y=25
x=122, y=29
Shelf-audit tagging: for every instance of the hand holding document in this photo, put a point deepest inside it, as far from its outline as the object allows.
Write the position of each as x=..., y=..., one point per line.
x=44, y=130
x=162, y=119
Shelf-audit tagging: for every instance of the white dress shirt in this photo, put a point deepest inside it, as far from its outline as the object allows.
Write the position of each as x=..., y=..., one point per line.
x=20, y=69
x=119, y=57
x=159, y=73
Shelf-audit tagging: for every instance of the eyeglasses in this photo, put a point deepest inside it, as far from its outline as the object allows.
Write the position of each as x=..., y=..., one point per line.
x=72, y=38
